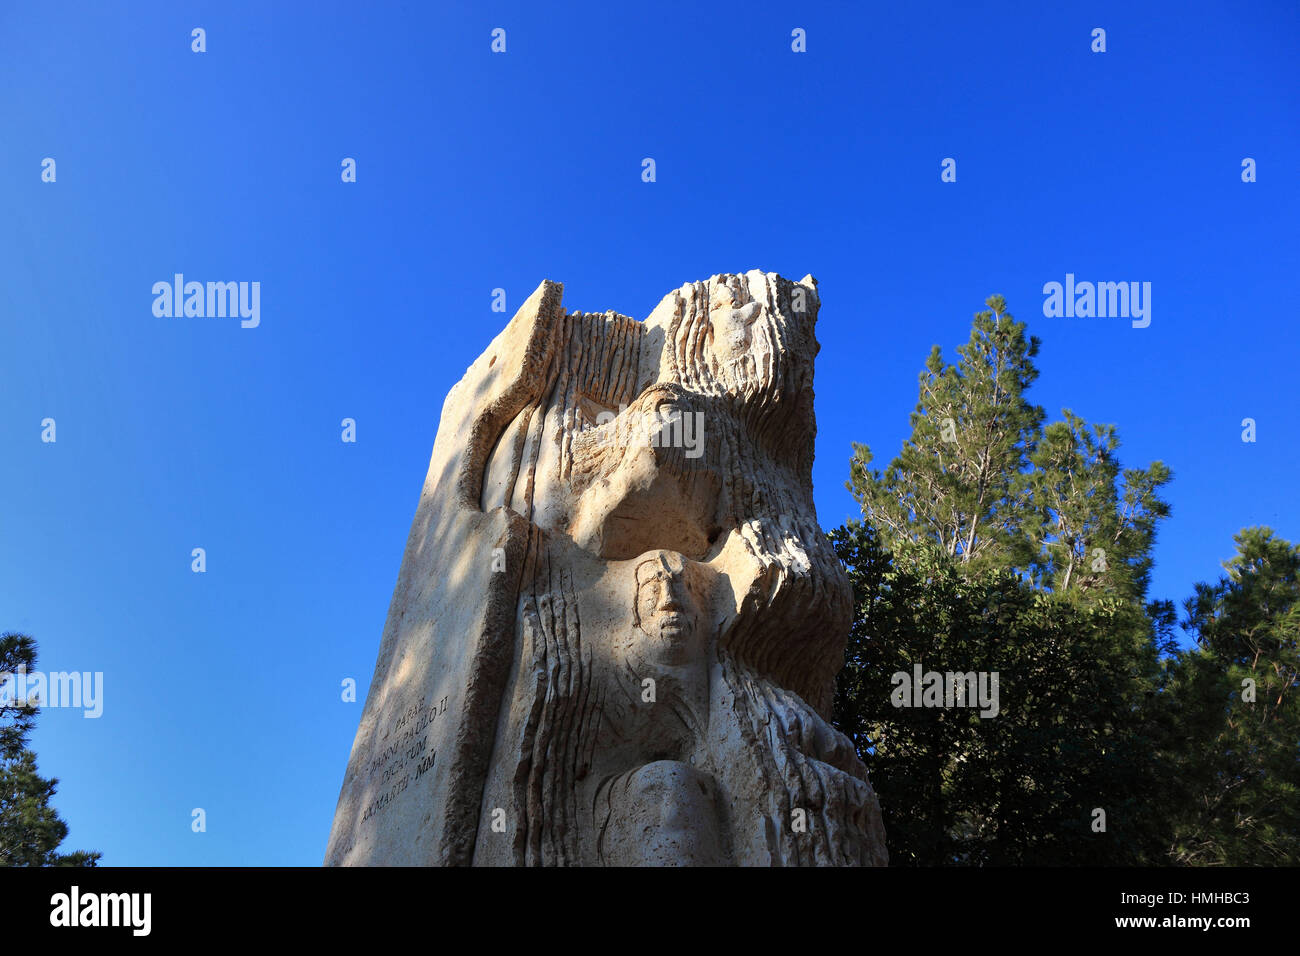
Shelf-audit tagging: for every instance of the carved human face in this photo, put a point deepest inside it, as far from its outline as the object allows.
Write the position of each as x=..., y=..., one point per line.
x=731, y=330
x=666, y=608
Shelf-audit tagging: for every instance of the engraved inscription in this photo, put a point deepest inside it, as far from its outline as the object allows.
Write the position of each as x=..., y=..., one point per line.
x=404, y=755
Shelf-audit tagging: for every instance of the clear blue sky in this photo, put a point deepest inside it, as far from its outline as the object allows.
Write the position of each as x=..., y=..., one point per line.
x=479, y=170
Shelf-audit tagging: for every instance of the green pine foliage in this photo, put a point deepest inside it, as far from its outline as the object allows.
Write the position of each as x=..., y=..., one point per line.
x=30, y=829
x=983, y=480
x=1238, y=693
x=959, y=481
x=997, y=542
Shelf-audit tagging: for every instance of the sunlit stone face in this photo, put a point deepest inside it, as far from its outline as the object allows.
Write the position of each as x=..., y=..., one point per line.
x=666, y=609
x=732, y=331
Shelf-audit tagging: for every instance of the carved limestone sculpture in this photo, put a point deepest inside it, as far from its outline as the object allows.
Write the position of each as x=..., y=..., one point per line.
x=617, y=623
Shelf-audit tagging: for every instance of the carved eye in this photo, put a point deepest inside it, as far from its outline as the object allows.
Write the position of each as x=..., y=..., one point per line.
x=649, y=602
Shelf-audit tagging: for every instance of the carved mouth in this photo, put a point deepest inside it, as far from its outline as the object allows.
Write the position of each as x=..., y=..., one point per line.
x=673, y=623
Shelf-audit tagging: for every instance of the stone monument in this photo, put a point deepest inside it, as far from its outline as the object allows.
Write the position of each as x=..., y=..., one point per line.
x=617, y=624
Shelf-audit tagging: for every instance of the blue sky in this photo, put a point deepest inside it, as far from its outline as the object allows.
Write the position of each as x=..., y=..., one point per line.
x=478, y=170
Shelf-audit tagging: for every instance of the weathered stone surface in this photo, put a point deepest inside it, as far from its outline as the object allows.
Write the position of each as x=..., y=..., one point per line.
x=617, y=623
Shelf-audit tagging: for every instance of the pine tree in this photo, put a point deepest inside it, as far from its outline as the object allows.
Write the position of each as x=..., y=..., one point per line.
x=1237, y=696
x=995, y=543
x=981, y=478
x=30, y=828
x=1095, y=527
x=958, y=480
x=17, y=717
